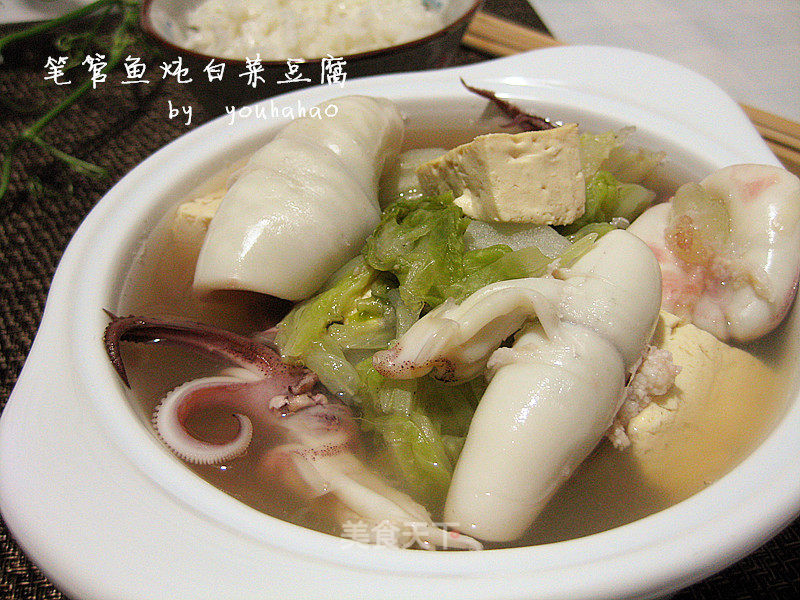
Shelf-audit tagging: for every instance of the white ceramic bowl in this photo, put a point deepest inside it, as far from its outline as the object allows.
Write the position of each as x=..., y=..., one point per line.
x=107, y=512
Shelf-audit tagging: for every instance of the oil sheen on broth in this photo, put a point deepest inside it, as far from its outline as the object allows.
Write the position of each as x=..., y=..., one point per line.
x=611, y=488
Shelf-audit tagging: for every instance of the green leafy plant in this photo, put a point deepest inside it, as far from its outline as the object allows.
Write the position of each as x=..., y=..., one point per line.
x=123, y=36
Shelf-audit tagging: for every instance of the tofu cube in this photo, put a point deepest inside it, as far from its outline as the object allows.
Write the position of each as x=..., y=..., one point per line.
x=530, y=177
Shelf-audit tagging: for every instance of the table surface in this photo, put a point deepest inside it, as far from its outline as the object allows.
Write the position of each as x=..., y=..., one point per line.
x=118, y=127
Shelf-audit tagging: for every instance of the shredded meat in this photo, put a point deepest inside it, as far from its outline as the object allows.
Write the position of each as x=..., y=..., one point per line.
x=654, y=377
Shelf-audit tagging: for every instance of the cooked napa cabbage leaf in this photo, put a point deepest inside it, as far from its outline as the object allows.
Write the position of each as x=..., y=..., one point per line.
x=516, y=236
x=422, y=423
x=606, y=152
x=308, y=321
x=607, y=199
x=614, y=174
x=422, y=243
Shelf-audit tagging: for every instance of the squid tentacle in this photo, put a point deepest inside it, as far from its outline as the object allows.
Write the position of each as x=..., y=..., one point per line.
x=245, y=352
x=271, y=378
x=316, y=456
x=169, y=420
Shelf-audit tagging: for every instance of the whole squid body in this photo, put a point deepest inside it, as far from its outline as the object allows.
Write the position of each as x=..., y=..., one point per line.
x=304, y=203
x=729, y=249
x=553, y=394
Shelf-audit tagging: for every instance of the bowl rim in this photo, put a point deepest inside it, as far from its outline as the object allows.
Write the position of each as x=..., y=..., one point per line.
x=766, y=511
x=145, y=21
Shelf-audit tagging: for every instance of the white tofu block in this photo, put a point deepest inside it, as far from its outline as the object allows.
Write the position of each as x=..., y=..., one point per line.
x=530, y=177
x=700, y=428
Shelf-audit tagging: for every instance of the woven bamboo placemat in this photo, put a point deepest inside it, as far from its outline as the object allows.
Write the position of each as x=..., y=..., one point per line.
x=117, y=127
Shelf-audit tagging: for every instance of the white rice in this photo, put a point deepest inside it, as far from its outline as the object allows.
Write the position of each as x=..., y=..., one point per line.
x=282, y=29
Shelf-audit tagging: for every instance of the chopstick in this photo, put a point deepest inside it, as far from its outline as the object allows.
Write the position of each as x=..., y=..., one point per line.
x=501, y=37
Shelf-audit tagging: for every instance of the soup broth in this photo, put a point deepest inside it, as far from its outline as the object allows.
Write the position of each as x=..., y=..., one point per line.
x=610, y=489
